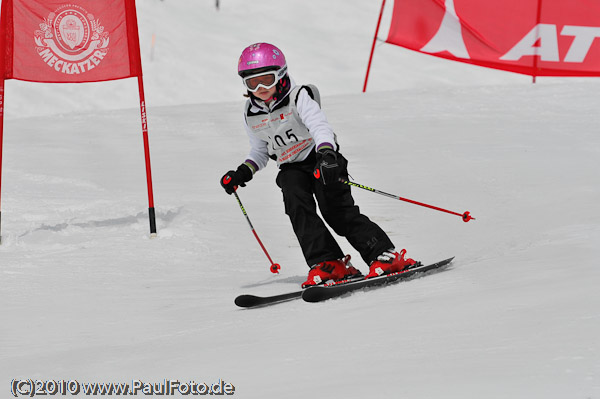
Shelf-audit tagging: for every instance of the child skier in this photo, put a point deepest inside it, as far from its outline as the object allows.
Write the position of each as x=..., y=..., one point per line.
x=286, y=124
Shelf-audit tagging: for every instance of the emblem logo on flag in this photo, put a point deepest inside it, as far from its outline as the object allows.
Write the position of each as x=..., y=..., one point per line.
x=71, y=40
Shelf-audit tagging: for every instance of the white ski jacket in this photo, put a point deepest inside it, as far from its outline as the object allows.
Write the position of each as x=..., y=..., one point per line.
x=286, y=131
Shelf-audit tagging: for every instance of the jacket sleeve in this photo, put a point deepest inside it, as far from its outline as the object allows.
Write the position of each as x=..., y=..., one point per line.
x=315, y=120
x=259, y=154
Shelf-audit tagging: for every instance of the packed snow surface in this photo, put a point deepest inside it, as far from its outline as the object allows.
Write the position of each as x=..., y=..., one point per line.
x=87, y=295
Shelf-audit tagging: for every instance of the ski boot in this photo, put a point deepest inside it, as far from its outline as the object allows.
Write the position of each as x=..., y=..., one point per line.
x=389, y=262
x=335, y=270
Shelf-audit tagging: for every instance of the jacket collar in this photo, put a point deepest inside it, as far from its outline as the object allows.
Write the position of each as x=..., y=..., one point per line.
x=259, y=105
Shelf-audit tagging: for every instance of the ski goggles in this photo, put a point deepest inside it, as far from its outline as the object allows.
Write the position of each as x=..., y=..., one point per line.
x=266, y=80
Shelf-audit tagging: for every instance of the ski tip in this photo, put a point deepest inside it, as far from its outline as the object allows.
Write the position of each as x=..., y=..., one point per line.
x=314, y=294
x=446, y=261
x=244, y=301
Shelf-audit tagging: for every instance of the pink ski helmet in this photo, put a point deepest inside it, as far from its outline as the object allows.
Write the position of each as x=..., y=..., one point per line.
x=261, y=57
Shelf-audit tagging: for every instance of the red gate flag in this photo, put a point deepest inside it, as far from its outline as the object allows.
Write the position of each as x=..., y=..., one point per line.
x=72, y=41
x=532, y=37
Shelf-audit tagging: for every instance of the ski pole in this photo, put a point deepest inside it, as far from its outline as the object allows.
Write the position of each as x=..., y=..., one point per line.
x=465, y=216
x=275, y=267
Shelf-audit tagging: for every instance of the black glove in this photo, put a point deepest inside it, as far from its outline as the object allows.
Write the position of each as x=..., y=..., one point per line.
x=232, y=179
x=330, y=166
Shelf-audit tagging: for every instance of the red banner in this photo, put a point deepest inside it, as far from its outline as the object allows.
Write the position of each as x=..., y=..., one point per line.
x=72, y=41
x=532, y=37
x=69, y=41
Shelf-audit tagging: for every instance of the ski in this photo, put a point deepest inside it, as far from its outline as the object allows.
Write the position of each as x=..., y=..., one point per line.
x=254, y=301
x=323, y=292
x=332, y=290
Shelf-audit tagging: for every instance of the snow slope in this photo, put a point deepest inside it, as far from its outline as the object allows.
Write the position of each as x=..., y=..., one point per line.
x=194, y=58
x=87, y=295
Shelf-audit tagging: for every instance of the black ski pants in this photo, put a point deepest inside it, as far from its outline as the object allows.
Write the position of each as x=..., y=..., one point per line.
x=300, y=189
